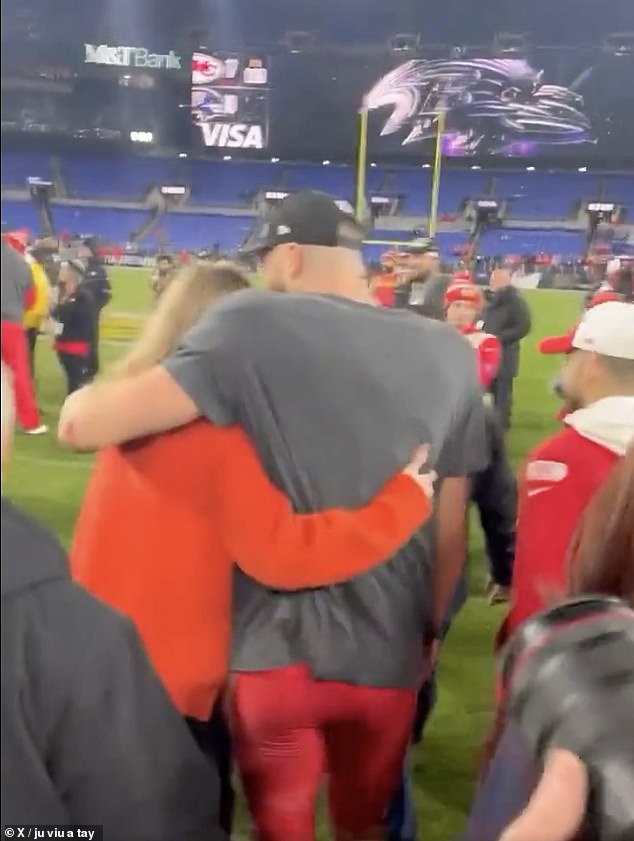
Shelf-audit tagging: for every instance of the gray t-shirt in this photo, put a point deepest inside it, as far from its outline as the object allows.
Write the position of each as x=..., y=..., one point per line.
x=336, y=395
x=15, y=281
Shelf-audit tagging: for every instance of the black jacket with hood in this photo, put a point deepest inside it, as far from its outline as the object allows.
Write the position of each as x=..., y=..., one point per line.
x=507, y=316
x=89, y=735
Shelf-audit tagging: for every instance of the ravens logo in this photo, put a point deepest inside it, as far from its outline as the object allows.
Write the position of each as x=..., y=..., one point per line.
x=494, y=106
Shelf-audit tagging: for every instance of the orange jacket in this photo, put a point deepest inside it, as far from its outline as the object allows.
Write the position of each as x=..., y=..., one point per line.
x=163, y=520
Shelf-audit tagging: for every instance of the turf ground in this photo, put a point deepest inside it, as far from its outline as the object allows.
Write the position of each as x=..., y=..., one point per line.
x=49, y=482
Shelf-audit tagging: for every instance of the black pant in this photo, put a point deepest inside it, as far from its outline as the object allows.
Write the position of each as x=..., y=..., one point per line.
x=93, y=354
x=31, y=337
x=494, y=491
x=76, y=369
x=502, y=391
x=214, y=740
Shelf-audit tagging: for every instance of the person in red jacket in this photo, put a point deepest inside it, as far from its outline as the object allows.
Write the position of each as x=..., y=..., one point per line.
x=494, y=489
x=562, y=474
x=463, y=304
x=18, y=294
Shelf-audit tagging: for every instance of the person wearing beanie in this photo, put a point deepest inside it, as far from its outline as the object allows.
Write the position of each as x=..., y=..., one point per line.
x=463, y=304
x=494, y=489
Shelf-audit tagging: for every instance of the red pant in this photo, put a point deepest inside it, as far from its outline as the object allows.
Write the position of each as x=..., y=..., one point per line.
x=15, y=354
x=288, y=729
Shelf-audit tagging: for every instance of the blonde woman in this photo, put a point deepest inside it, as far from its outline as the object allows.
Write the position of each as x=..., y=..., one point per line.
x=164, y=518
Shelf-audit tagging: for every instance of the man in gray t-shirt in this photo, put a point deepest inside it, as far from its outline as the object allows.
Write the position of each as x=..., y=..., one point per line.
x=335, y=394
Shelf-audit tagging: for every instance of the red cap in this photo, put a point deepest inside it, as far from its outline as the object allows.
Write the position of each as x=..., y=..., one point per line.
x=464, y=291
x=462, y=276
x=18, y=240
x=601, y=296
x=558, y=344
x=607, y=329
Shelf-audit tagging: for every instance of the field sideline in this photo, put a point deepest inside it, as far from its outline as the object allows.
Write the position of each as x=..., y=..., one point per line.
x=48, y=482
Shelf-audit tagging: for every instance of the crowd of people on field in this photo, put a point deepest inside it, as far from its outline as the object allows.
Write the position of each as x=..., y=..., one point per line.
x=43, y=294
x=272, y=547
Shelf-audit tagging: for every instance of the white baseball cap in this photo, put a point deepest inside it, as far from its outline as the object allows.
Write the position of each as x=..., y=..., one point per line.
x=607, y=329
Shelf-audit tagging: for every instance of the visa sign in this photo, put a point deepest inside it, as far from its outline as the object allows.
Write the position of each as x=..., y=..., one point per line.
x=233, y=135
x=131, y=57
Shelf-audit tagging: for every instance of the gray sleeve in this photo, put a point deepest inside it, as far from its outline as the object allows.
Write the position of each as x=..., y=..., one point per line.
x=465, y=450
x=205, y=366
x=117, y=749
x=16, y=268
x=24, y=276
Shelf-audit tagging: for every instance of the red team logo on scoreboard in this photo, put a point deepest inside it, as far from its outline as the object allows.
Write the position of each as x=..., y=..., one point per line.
x=229, y=100
x=209, y=68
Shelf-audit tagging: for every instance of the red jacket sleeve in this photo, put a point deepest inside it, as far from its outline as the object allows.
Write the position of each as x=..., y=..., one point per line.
x=289, y=551
x=489, y=358
x=550, y=505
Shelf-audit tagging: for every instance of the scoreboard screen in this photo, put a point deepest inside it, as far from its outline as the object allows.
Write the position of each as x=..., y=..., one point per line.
x=230, y=100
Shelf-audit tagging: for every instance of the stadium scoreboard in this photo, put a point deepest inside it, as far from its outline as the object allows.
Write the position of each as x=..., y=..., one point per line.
x=230, y=100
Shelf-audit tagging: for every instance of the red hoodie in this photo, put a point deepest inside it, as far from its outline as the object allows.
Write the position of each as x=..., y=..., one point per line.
x=488, y=351
x=557, y=482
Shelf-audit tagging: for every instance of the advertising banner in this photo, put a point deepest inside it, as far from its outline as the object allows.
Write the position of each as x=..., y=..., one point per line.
x=229, y=100
x=135, y=57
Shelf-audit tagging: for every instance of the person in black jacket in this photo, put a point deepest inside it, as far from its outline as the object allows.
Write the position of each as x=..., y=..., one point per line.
x=74, y=325
x=89, y=735
x=494, y=492
x=97, y=283
x=507, y=316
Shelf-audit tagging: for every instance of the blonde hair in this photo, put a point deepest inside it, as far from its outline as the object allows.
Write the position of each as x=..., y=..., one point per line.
x=185, y=299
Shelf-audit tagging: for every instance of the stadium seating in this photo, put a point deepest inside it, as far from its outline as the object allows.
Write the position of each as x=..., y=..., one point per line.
x=16, y=168
x=193, y=231
x=20, y=214
x=531, y=195
x=112, y=225
x=107, y=177
x=531, y=241
x=620, y=189
x=231, y=184
x=545, y=195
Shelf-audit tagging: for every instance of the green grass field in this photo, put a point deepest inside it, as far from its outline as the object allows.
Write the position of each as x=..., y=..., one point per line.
x=48, y=482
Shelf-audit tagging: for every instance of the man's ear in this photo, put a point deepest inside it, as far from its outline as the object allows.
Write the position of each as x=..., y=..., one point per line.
x=295, y=258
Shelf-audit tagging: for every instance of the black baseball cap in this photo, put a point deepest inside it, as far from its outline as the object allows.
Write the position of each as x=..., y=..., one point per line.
x=306, y=218
x=422, y=245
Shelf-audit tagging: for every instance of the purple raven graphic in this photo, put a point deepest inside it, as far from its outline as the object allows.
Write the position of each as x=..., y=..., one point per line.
x=492, y=105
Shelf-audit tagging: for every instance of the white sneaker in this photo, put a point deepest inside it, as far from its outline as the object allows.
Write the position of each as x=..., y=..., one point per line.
x=42, y=429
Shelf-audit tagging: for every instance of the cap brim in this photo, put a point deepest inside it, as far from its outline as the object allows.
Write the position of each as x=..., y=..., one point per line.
x=556, y=344
x=256, y=242
x=421, y=251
